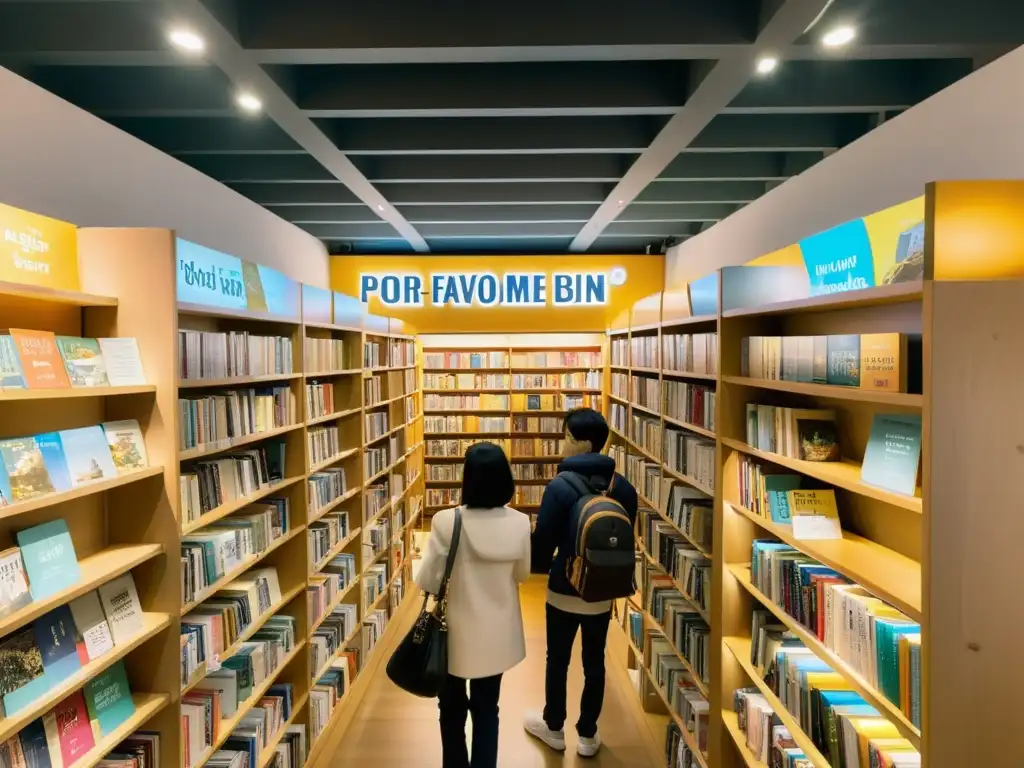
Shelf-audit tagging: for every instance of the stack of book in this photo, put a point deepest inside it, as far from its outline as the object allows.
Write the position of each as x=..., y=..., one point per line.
x=690, y=353
x=324, y=355
x=458, y=448
x=568, y=402
x=373, y=390
x=443, y=497
x=232, y=414
x=537, y=424
x=467, y=381
x=643, y=351
x=527, y=471
x=432, y=402
x=620, y=385
x=41, y=360
x=645, y=391
x=325, y=533
x=215, y=355
x=451, y=471
x=140, y=750
x=257, y=728
x=646, y=432
x=328, y=639
x=620, y=350
x=372, y=357
x=376, y=460
x=692, y=403
x=375, y=498
x=447, y=424
x=325, y=486
x=319, y=400
x=401, y=352
x=618, y=417
x=556, y=359
x=462, y=360
x=691, y=512
x=324, y=442
x=691, y=455
x=536, y=447
x=529, y=495
x=375, y=424
x=206, y=485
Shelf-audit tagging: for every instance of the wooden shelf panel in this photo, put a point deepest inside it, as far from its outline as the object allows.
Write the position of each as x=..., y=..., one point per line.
x=332, y=416
x=342, y=596
x=328, y=374
x=688, y=426
x=334, y=504
x=55, y=296
x=830, y=391
x=218, y=513
x=858, y=683
x=642, y=369
x=898, y=293
x=152, y=623
x=220, y=446
x=94, y=570
x=740, y=649
x=645, y=409
x=883, y=572
x=681, y=590
x=74, y=393
x=689, y=539
x=53, y=499
x=732, y=725
x=842, y=474
x=267, y=754
x=146, y=705
x=689, y=375
x=331, y=460
x=236, y=381
x=336, y=550
x=695, y=320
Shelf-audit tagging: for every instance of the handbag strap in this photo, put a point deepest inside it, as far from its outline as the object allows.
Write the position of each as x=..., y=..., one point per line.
x=442, y=592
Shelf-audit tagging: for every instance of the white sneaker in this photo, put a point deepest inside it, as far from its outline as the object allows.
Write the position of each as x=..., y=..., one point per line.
x=535, y=726
x=588, y=747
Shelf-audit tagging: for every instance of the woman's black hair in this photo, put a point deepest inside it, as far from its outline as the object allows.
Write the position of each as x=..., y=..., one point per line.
x=486, y=477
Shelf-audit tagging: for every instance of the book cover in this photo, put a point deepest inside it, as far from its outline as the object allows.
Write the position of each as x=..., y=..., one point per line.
x=87, y=454
x=805, y=359
x=124, y=364
x=40, y=360
x=11, y=374
x=53, y=459
x=109, y=700
x=83, y=361
x=26, y=470
x=893, y=453
x=121, y=606
x=127, y=448
x=57, y=640
x=844, y=360
x=14, y=592
x=883, y=362
x=33, y=745
x=815, y=514
x=819, y=359
x=777, y=487
x=92, y=625
x=21, y=661
x=49, y=556
x=790, y=358
x=68, y=723
x=819, y=440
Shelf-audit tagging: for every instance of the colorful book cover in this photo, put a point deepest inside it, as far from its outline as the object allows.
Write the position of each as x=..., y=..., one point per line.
x=844, y=360
x=14, y=592
x=11, y=754
x=109, y=699
x=21, y=661
x=53, y=459
x=776, y=487
x=819, y=359
x=40, y=360
x=26, y=471
x=68, y=723
x=33, y=745
x=893, y=453
x=790, y=358
x=883, y=362
x=805, y=359
x=127, y=447
x=87, y=454
x=818, y=440
x=49, y=557
x=11, y=374
x=815, y=514
x=121, y=605
x=124, y=365
x=92, y=625
x=62, y=655
x=83, y=361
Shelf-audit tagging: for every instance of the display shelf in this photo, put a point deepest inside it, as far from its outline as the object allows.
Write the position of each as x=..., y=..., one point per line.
x=732, y=725
x=332, y=460
x=689, y=539
x=897, y=293
x=641, y=369
x=55, y=296
x=336, y=550
x=888, y=575
x=79, y=492
x=702, y=686
x=74, y=393
x=678, y=586
x=690, y=427
x=681, y=322
x=343, y=595
x=152, y=623
x=858, y=683
x=236, y=381
x=676, y=475
x=466, y=370
x=701, y=758
x=328, y=374
x=668, y=373
x=94, y=570
x=842, y=474
x=388, y=401
x=220, y=446
x=830, y=391
x=219, y=513
x=644, y=409
x=267, y=753
x=332, y=416
x=315, y=515
x=146, y=705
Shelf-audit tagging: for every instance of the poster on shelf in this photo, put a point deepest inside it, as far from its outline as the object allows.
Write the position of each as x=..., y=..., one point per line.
x=38, y=250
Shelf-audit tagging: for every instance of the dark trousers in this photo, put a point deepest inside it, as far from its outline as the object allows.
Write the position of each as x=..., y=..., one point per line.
x=562, y=628
x=482, y=704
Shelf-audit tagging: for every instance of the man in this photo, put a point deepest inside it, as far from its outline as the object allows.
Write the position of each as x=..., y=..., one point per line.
x=553, y=542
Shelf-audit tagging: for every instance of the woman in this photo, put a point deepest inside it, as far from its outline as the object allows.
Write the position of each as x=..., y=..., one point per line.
x=485, y=622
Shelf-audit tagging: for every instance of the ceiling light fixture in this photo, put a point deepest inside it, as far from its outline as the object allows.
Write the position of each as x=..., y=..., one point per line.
x=838, y=36
x=380, y=207
x=248, y=102
x=766, y=65
x=186, y=40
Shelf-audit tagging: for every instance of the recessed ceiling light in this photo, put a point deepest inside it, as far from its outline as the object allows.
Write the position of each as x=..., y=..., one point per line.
x=380, y=207
x=186, y=40
x=766, y=65
x=838, y=36
x=248, y=102
x=622, y=202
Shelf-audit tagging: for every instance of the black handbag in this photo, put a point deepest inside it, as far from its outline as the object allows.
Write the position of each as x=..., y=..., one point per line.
x=420, y=663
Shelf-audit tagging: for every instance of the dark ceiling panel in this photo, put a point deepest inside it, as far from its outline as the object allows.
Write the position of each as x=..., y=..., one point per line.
x=578, y=212
x=728, y=166
x=677, y=212
x=488, y=168
x=809, y=133
x=526, y=244
x=261, y=168
x=210, y=135
x=701, y=192
x=654, y=229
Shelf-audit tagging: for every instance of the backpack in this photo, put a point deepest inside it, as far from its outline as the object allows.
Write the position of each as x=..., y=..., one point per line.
x=604, y=564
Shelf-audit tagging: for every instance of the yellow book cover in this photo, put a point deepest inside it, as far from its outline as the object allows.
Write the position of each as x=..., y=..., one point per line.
x=869, y=728
x=814, y=514
x=547, y=402
x=883, y=362
x=905, y=675
x=518, y=402
x=887, y=748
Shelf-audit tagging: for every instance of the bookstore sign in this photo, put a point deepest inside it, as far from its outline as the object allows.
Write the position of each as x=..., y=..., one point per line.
x=38, y=250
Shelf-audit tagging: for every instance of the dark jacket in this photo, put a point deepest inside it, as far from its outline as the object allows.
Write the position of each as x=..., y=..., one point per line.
x=554, y=539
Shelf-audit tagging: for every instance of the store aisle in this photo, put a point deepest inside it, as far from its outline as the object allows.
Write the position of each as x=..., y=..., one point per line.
x=395, y=730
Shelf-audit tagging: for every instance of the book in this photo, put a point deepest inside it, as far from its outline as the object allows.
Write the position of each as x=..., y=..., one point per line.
x=67, y=725
x=49, y=556
x=14, y=592
x=83, y=361
x=11, y=374
x=819, y=359
x=57, y=640
x=56, y=464
x=124, y=365
x=34, y=747
x=814, y=514
x=27, y=476
x=777, y=487
x=21, y=661
x=40, y=361
x=87, y=454
x=109, y=700
x=818, y=440
x=92, y=625
x=127, y=447
x=893, y=453
x=883, y=362
x=121, y=606
x=843, y=360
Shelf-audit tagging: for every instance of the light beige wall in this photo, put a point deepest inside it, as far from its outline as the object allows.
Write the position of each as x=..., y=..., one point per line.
x=972, y=130
x=60, y=161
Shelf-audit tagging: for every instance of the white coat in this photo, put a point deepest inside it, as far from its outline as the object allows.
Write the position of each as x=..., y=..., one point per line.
x=485, y=620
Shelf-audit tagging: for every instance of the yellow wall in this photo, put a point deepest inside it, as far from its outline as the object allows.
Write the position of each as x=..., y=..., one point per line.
x=644, y=276
x=978, y=230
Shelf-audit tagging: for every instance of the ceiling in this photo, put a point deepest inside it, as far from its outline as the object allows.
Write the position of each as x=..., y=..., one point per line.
x=461, y=126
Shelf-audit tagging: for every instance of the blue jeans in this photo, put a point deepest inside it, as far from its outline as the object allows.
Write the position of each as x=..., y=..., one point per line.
x=455, y=706
x=561, y=630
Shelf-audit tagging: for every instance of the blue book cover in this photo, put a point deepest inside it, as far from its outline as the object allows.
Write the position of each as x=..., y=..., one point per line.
x=893, y=453
x=843, y=367
x=49, y=556
x=109, y=699
x=55, y=637
x=33, y=745
x=87, y=454
x=776, y=487
x=11, y=374
x=53, y=457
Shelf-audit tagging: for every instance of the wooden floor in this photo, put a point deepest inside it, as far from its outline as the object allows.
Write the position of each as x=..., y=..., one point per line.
x=395, y=730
